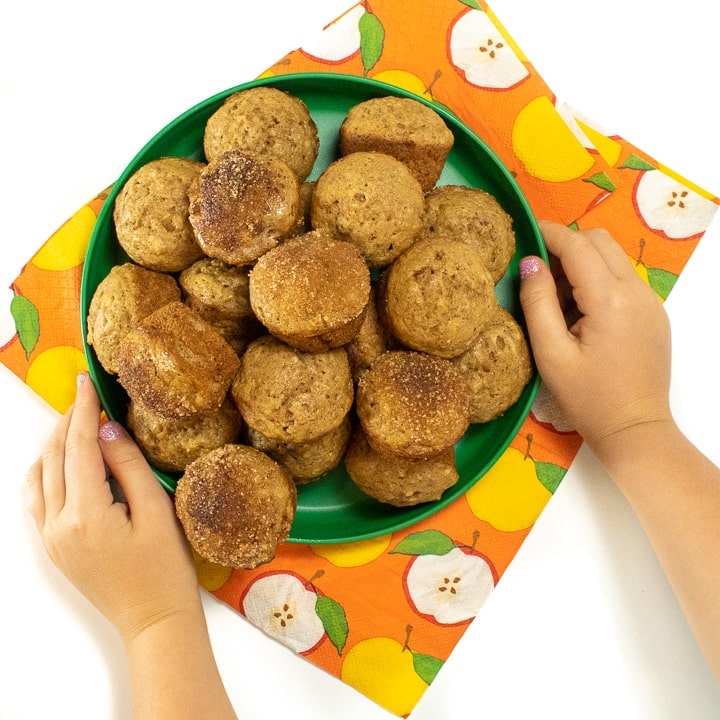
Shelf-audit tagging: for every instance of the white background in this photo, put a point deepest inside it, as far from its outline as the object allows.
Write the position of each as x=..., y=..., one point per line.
x=583, y=623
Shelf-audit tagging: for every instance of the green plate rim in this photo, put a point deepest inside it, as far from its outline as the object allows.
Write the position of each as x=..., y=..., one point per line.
x=401, y=517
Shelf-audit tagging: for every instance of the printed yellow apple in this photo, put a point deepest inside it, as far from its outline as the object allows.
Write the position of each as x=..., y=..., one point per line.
x=510, y=495
x=481, y=54
x=384, y=670
x=668, y=206
x=450, y=588
x=281, y=604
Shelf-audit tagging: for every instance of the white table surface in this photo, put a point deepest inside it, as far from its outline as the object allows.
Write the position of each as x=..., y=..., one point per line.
x=583, y=623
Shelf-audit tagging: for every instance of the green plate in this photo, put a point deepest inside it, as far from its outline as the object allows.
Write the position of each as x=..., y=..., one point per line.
x=333, y=509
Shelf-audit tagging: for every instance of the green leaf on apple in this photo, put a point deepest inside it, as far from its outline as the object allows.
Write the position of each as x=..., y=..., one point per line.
x=427, y=542
x=332, y=616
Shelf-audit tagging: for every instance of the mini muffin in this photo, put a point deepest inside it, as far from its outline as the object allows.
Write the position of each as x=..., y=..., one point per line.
x=474, y=216
x=220, y=294
x=311, y=291
x=171, y=445
x=304, y=223
x=372, y=340
x=496, y=368
x=395, y=480
x=151, y=215
x=175, y=364
x=241, y=205
x=289, y=395
x=402, y=127
x=310, y=460
x=265, y=121
x=236, y=506
x=412, y=405
x=438, y=296
x=371, y=200
x=126, y=295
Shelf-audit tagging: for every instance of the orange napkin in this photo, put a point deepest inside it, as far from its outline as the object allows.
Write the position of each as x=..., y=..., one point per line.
x=384, y=614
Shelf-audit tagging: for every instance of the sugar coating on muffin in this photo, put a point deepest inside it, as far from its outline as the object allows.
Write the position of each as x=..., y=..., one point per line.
x=438, y=295
x=236, y=506
x=242, y=205
x=171, y=445
x=496, y=368
x=220, y=293
x=412, y=404
x=289, y=395
x=175, y=364
x=311, y=291
x=474, y=216
x=404, y=128
x=151, y=215
x=264, y=121
x=395, y=480
x=125, y=296
x=372, y=201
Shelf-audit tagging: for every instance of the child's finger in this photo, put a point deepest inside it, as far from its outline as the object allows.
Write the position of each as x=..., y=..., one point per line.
x=34, y=499
x=52, y=467
x=85, y=477
x=129, y=467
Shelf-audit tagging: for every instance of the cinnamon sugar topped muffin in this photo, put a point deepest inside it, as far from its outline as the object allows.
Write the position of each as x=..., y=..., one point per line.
x=242, y=205
x=412, y=405
x=175, y=364
x=311, y=291
x=236, y=506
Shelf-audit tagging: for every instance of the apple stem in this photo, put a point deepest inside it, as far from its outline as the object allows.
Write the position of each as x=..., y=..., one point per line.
x=408, y=631
x=311, y=582
x=476, y=537
x=436, y=77
x=641, y=245
x=529, y=437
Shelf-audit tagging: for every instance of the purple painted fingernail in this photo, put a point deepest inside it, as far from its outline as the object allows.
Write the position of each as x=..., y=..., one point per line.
x=528, y=266
x=111, y=430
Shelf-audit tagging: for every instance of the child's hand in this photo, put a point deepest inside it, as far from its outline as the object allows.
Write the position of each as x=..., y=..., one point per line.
x=606, y=360
x=129, y=559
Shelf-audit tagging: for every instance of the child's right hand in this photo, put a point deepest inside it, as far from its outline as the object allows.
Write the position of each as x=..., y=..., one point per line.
x=609, y=370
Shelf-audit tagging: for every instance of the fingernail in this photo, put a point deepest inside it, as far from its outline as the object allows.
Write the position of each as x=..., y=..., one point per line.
x=110, y=431
x=81, y=378
x=528, y=266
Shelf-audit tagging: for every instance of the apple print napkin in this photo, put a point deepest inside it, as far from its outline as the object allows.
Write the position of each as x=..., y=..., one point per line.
x=384, y=614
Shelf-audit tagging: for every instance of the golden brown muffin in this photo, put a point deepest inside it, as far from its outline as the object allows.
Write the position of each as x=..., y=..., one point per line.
x=265, y=121
x=403, y=128
x=220, y=293
x=242, y=205
x=311, y=291
x=289, y=395
x=175, y=364
x=395, y=480
x=438, y=296
x=126, y=295
x=236, y=506
x=171, y=445
x=372, y=340
x=310, y=460
x=304, y=224
x=474, y=216
x=151, y=215
x=412, y=405
x=496, y=368
x=372, y=201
